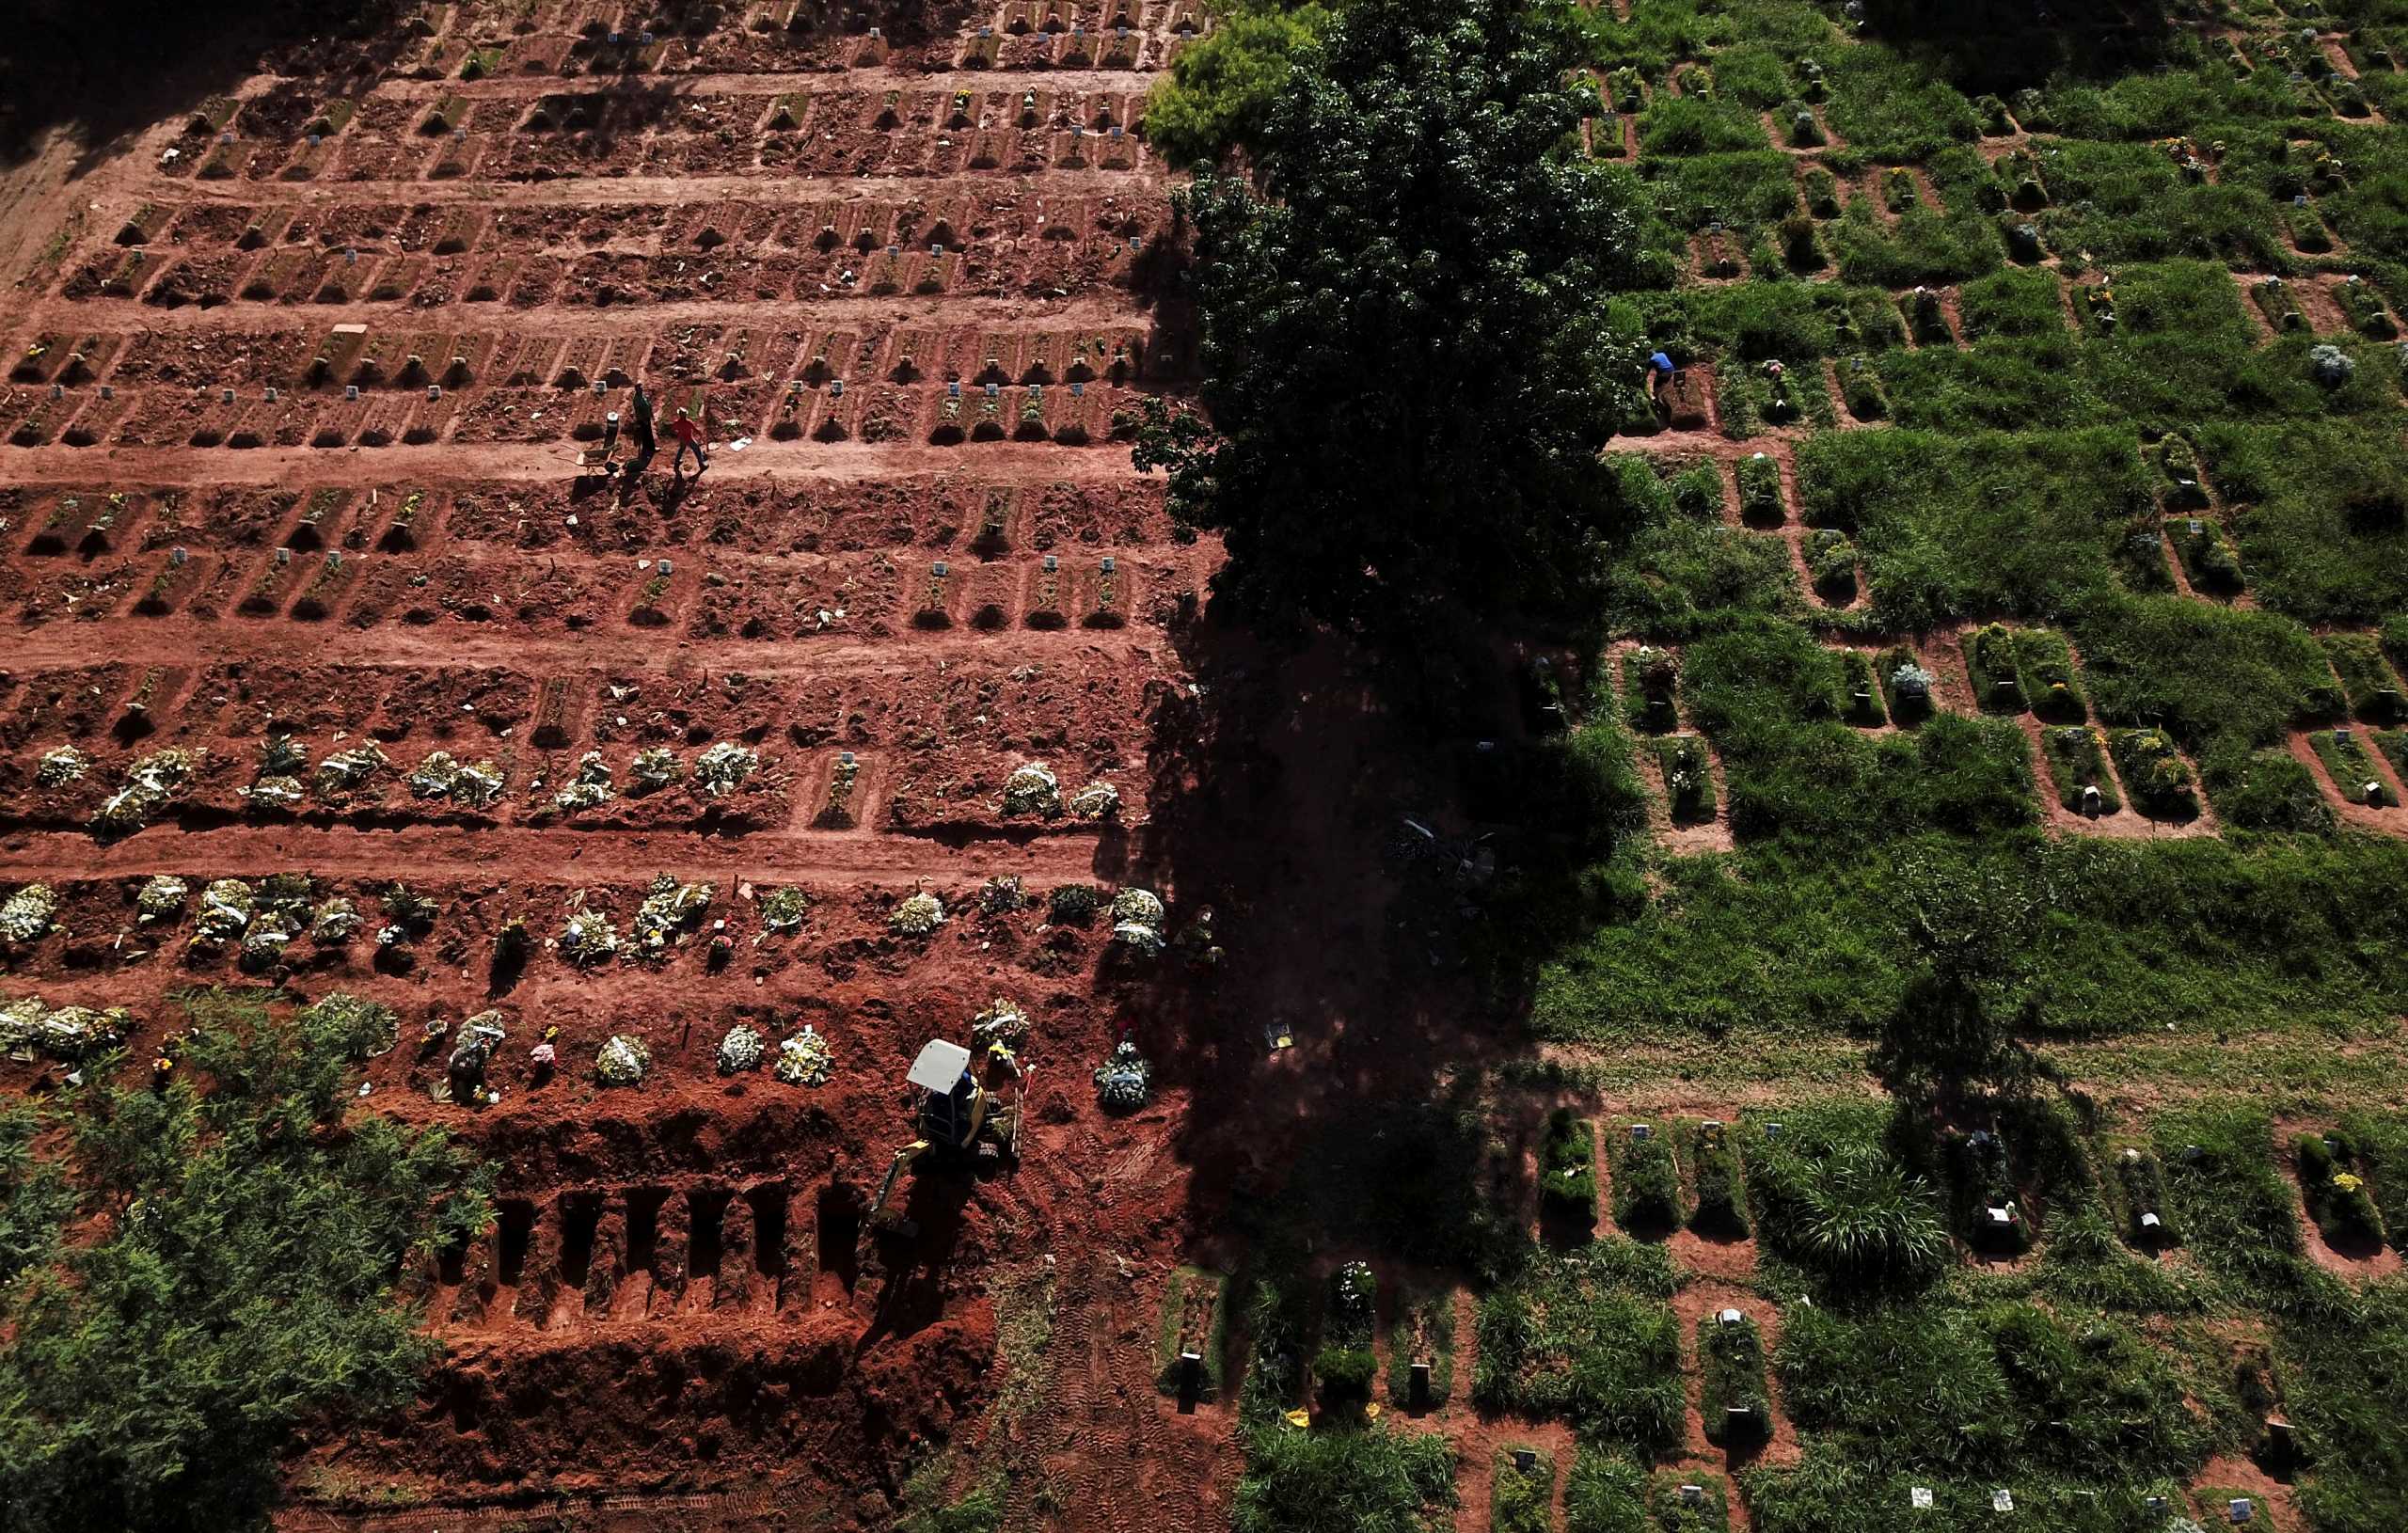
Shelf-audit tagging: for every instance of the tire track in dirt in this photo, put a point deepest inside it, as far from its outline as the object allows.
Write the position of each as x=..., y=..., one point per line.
x=682, y=191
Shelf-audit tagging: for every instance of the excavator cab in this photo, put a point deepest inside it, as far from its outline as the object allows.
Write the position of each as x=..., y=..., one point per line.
x=952, y=1103
x=955, y=1113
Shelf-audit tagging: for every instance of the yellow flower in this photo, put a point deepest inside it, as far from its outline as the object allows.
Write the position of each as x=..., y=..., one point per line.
x=2348, y=1182
x=1299, y=1418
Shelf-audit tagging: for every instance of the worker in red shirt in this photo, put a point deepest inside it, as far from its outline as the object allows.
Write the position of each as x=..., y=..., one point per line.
x=690, y=438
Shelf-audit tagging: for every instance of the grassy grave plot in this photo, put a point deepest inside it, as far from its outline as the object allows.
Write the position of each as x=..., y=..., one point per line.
x=1371, y=1480
x=2333, y=1179
x=1587, y=1336
x=2077, y=765
x=2050, y=684
x=1863, y=694
x=2139, y=1181
x=1686, y=1504
x=2352, y=771
x=1607, y=1492
x=2380, y=1137
x=1522, y=1499
x=1345, y=1364
x=1760, y=498
x=2367, y=682
x=1645, y=1176
x=1568, y=1174
x=1831, y=1198
x=1422, y=1332
x=1194, y=1320
x=1688, y=779
x=1831, y=565
x=2235, y=1211
x=1733, y=1400
x=1721, y=1210
x=1990, y=664
x=2154, y=773
x=1651, y=679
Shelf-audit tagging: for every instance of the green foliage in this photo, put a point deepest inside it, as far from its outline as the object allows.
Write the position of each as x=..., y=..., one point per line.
x=1521, y=1500
x=1830, y=1197
x=1568, y=1171
x=1647, y=1179
x=1732, y=1400
x=1586, y=1336
x=1359, y=1480
x=1405, y=348
x=1220, y=88
x=245, y=1285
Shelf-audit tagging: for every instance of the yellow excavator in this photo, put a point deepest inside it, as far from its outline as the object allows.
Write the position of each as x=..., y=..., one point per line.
x=957, y=1114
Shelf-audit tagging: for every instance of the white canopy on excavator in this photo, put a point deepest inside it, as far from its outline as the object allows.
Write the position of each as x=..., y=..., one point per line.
x=939, y=1067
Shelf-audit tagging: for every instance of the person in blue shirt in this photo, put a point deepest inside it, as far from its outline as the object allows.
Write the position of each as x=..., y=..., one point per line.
x=1660, y=373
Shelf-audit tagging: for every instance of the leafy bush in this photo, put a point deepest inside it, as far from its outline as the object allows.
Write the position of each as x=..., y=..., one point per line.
x=247, y=1286
x=1831, y=1199
x=1730, y=1370
x=1722, y=1207
x=1220, y=88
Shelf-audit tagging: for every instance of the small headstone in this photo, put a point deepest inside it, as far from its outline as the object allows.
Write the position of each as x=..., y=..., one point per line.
x=1191, y=1375
x=2242, y=1510
x=59, y=391
x=1772, y=1131
x=2002, y=1501
x=1051, y=563
x=666, y=568
x=271, y=396
x=2150, y=1221
x=283, y=557
x=1639, y=1133
x=108, y=393
x=350, y=391
x=434, y=390
x=1418, y=1391
x=1108, y=565
x=2340, y=735
x=177, y=556
x=1525, y=1459
x=995, y=391
x=1692, y=1496
x=836, y=389
x=1731, y=1316
x=937, y=569
x=1919, y=1497
x=225, y=396
x=600, y=387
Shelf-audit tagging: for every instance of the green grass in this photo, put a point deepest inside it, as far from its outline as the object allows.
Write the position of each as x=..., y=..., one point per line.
x=1585, y=1336
x=1731, y=1399
x=1521, y=1500
x=1646, y=1178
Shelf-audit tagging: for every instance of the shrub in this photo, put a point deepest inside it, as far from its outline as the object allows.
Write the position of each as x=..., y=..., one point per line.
x=1586, y=1336
x=1844, y=1209
x=1345, y=1373
x=1220, y=87
x=151, y=1382
x=1721, y=1201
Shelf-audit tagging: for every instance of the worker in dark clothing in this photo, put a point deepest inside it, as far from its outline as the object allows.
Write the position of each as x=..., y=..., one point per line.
x=640, y=425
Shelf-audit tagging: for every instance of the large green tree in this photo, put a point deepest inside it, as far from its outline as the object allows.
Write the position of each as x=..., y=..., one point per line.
x=1407, y=370
x=222, y=1271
